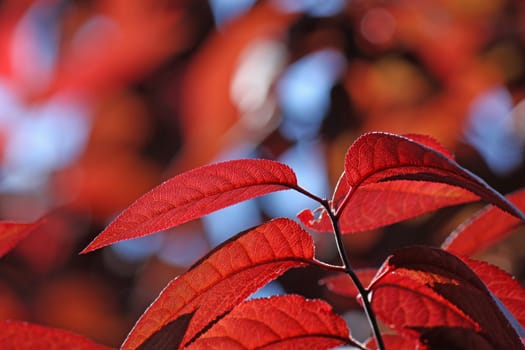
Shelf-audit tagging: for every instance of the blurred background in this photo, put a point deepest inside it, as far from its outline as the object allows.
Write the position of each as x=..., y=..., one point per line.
x=101, y=100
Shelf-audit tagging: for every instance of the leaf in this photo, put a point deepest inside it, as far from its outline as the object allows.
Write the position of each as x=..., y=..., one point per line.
x=484, y=229
x=430, y=142
x=194, y=194
x=225, y=277
x=13, y=232
x=404, y=302
x=389, y=178
x=393, y=342
x=379, y=157
x=505, y=287
x=423, y=287
x=441, y=338
x=169, y=336
x=22, y=335
x=283, y=322
x=342, y=284
x=380, y=204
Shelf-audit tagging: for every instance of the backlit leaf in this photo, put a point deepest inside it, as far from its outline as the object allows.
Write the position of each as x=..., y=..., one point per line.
x=486, y=228
x=283, y=322
x=404, y=302
x=430, y=142
x=225, y=277
x=25, y=336
x=379, y=204
x=422, y=287
x=505, y=287
x=390, y=178
x=194, y=194
x=380, y=157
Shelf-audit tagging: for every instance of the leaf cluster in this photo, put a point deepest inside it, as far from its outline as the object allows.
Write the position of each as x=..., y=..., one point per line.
x=429, y=297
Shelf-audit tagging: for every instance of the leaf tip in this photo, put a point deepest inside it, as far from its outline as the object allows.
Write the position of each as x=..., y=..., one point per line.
x=87, y=249
x=95, y=244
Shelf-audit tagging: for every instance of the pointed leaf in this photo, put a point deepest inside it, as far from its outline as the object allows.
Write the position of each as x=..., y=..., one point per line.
x=487, y=227
x=13, y=232
x=225, y=277
x=423, y=287
x=376, y=158
x=380, y=204
x=427, y=179
x=194, y=194
x=505, y=287
x=343, y=185
x=404, y=302
x=283, y=322
x=430, y=142
x=25, y=336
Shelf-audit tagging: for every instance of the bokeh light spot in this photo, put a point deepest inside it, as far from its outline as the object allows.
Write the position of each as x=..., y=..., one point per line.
x=378, y=26
x=304, y=92
x=490, y=129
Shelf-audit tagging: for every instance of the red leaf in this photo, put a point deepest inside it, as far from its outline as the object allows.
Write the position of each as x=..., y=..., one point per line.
x=420, y=288
x=487, y=227
x=403, y=302
x=430, y=142
x=505, y=287
x=379, y=157
x=380, y=204
x=385, y=203
x=389, y=178
x=321, y=223
x=284, y=322
x=342, y=284
x=13, y=232
x=225, y=277
x=21, y=336
x=169, y=336
x=454, y=338
x=194, y=194
x=393, y=342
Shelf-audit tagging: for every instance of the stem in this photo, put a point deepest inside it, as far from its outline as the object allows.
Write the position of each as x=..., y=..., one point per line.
x=350, y=272
x=334, y=218
x=329, y=267
x=309, y=195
